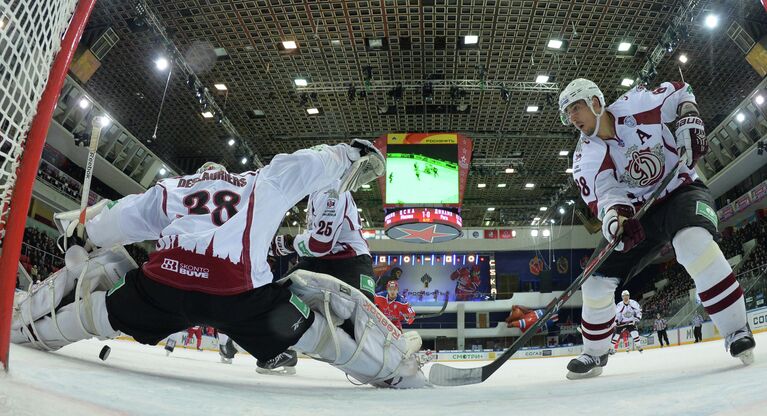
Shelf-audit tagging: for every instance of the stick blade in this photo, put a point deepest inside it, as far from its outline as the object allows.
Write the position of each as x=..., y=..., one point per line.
x=443, y=375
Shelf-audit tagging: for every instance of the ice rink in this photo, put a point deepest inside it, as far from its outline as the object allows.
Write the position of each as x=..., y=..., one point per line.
x=691, y=380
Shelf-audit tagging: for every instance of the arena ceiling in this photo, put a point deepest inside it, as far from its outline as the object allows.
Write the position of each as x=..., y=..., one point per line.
x=239, y=43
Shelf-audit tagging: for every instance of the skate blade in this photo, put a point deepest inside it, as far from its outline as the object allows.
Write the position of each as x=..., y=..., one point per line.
x=284, y=371
x=590, y=374
x=747, y=357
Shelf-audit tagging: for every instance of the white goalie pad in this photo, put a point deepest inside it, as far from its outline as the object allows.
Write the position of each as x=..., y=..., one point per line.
x=48, y=316
x=379, y=354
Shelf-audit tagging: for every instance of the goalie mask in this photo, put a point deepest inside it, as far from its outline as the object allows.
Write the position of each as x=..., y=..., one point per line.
x=211, y=166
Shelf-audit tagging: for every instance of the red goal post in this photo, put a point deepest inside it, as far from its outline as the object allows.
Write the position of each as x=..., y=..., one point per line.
x=38, y=39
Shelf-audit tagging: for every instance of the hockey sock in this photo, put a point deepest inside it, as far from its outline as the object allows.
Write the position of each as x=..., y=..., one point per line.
x=598, y=315
x=715, y=283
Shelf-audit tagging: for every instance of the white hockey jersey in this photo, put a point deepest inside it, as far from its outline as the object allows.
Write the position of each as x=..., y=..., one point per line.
x=627, y=168
x=214, y=229
x=628, y=314
x=334, y=230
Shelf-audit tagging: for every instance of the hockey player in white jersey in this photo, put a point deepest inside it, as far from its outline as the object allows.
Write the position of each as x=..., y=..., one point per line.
x=624, y=152
x=213, y=232
x=332, y=244
x=627, y=314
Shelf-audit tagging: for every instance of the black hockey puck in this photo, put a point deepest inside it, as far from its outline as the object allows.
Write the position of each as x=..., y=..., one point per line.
x=104, y=354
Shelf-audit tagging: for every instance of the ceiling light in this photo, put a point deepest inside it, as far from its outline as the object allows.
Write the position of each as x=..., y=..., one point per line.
x=161, y=63
x=359, y=209
x=537, y=219
x=470, y=39
x=540, y=79
x=244, y=160
x=207, y=114
x=85, y=103
x=375, y=43
x=740, y=117
x=542, y=209
x=103, y=121
x=312, y=111
x=365, y=186
x=491, y=209
x=564, y=152
x=301, y=82
x=231, y=142
x=529, y=185
x=624, y=46
x=711, y=21
x=294, y=223
x=759, y=99
x=163, y=171
x=335, y=42
x=627, y=82
x=546, y=233
x=532, y=108
x=561, y=210
x=683, y=58
x=501, y=185
x=220, y=87
x=481, y=185
x=510, y=170
x=554, y=44
x=289, y=44
x=534, y=233
x=569, y=170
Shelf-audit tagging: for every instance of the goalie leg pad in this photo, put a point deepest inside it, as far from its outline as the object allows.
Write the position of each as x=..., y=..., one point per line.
x=39, y=316
x=68, y=325
x=378, y=354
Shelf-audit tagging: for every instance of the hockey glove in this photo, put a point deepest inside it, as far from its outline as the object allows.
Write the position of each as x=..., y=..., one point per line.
x=618, y=223
x=691, y=136
x=282, y=245
x=367, y=164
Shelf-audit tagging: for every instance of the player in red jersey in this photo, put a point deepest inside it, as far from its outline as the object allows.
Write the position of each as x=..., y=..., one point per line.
x=522, y=317
x=393, y=306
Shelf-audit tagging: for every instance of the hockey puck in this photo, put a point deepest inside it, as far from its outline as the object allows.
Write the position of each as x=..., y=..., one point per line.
x=104, y=354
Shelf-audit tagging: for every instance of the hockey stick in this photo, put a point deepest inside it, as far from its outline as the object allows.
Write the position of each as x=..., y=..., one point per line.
x=91, y=162
x=433, y=315
x=443, y=375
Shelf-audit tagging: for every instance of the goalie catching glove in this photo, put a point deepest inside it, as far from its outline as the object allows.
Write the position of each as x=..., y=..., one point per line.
x=691, y=142
x=617, y=223
x=367, y=164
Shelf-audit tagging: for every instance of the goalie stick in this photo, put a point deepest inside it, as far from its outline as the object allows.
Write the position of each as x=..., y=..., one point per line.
x=86, y=189
x=433, y=315
x=443, y=375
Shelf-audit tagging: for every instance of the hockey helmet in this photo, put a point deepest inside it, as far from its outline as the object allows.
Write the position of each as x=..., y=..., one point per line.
x=579, y=89
x=392, y=284
x=211, y=166
x=625, y=293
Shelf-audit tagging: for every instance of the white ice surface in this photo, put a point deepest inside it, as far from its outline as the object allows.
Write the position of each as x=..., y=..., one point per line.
x=699, y=379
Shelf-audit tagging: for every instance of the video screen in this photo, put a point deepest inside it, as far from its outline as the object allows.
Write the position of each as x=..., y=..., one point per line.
x=422, y=174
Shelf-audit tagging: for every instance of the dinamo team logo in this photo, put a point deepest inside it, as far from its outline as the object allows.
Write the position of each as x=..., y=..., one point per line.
x=645, y=167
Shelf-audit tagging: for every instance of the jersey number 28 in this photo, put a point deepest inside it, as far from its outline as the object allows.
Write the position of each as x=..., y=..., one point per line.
x=224, y=202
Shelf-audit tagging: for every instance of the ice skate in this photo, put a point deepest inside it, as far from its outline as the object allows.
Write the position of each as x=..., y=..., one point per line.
x=283, y=364
x=741, y=345
x=586, y=366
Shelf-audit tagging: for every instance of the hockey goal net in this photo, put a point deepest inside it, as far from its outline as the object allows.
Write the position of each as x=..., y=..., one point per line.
x=37, y=41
